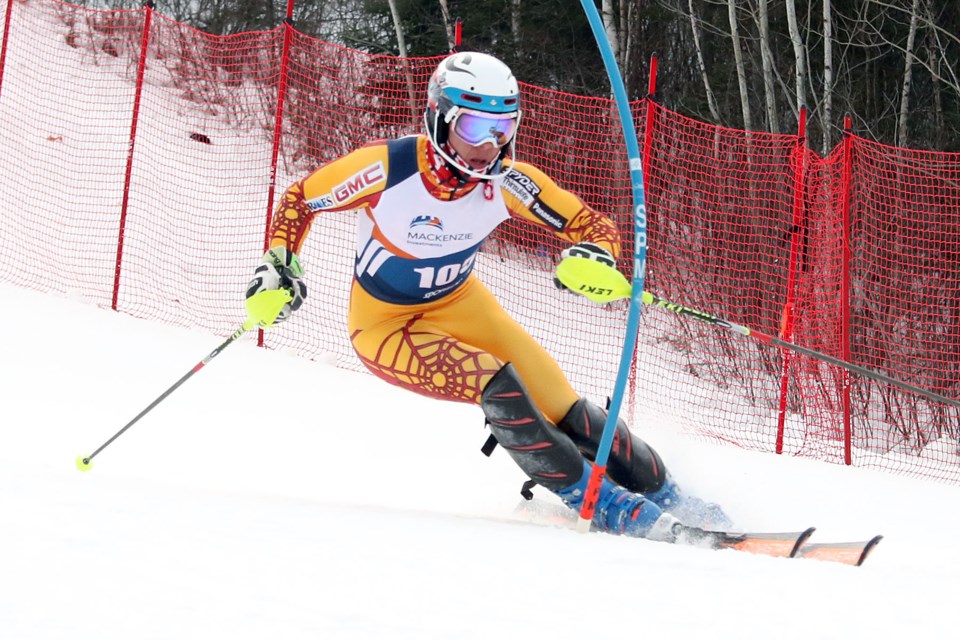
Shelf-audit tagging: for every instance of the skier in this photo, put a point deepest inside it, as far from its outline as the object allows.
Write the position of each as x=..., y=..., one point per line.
x=420, y=318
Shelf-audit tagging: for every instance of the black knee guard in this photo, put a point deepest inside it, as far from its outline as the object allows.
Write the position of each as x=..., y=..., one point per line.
x=632, y=464
x=544, y=453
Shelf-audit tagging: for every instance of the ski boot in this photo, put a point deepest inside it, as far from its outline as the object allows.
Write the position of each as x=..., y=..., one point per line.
x=637, y=467
x=622, y=512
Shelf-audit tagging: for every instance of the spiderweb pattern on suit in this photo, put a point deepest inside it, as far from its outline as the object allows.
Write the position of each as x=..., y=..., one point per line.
x=434, y=365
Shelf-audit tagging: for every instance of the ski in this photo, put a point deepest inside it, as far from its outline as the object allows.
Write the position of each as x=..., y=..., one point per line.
x=851, y=553
x=778, y=545
x=790, y=545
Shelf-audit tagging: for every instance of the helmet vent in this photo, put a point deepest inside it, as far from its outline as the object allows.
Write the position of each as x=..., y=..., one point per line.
x=471, y=98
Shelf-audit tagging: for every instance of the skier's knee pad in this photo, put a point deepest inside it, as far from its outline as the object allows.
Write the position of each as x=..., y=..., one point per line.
x=541, y=450
x=633, y=464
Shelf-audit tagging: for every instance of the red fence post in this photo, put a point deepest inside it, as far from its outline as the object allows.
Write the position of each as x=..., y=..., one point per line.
x=845, y=284
x=278, y=128
x=277, y=131
x=141, y=66
x=6, y=37
x=648, y=122
x=796, y=237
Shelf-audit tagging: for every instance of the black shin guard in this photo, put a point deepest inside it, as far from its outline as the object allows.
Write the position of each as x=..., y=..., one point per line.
x=544, y=453
x=633, y=464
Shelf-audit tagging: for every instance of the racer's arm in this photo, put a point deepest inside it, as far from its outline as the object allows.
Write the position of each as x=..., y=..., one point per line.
x=533, y=197
x=354, y=181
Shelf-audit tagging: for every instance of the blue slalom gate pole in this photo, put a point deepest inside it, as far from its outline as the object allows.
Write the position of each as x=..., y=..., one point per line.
x=639, y=264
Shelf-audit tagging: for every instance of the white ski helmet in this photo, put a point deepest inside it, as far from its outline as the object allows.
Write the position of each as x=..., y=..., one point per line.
x=477, y=94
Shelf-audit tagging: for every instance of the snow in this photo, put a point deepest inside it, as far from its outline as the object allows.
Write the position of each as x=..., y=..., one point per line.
x=272, y=496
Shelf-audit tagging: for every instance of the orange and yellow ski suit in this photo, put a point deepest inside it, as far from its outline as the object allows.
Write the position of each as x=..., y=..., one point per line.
x=419, y=317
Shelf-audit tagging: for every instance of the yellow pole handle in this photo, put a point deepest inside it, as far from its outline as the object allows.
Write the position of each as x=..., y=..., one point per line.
x=264, y=307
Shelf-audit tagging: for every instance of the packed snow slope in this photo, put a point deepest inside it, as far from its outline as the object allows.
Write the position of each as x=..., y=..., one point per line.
x=275, y=497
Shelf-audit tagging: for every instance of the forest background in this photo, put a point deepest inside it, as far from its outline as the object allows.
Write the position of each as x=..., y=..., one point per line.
x=745, y=64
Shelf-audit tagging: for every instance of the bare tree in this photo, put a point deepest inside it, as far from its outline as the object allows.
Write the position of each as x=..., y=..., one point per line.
x=738, y=60
x=610, y=26
x=827, y=75
x=933, y=61
x=902, y=124
x=766, y=58
x=445, y=10
x=626, y=8
x=401, y=45
x=799, y=53
x=697, y=36
x=514, y=19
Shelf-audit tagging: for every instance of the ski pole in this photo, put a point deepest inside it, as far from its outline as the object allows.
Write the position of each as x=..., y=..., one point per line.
x=602, y=284
x=262, y=310
x=649, y=298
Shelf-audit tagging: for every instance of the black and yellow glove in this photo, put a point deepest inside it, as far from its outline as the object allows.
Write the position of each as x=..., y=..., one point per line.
x=590, y=270
x=280, y=269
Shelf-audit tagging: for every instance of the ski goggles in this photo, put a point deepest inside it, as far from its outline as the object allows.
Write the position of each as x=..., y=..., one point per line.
x=478, y=127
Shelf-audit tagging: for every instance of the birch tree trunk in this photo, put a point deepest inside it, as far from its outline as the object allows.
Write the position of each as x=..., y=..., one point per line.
x=625, y=8
x=902, y=121
x=445, y=11
x=766, y=57
x=738, y=60
x=711, y=99
x=798, y=53
x=514, y=19
x=827, y=76
x=934, y=53
x=610, y=26
x=401, y=44
x=402, y=47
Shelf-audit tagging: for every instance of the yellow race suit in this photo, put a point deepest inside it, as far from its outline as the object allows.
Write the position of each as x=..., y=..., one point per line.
x=419, y=317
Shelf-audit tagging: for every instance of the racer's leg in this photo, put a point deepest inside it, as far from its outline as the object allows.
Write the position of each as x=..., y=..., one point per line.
x=477, y=318
x=550, y=457
x=404, y=346
x=450, y=348
x=633, y=463
x=412, y=347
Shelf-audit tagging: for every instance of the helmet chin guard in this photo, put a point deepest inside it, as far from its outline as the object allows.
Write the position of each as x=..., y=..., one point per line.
x=474, y=81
